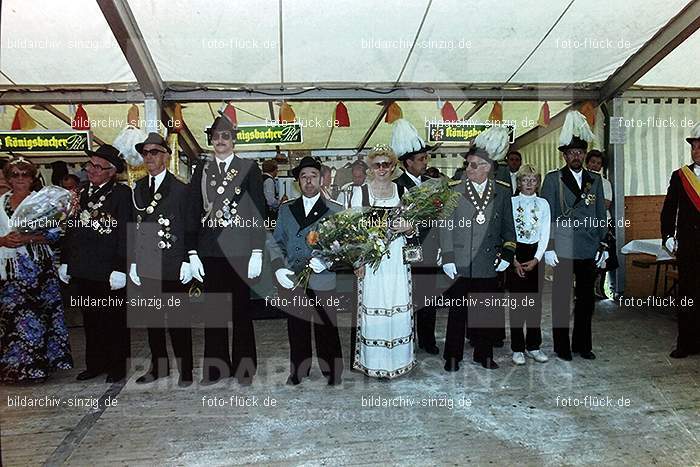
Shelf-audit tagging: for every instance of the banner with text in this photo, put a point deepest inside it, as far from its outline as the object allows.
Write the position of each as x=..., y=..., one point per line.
x=44, y=141
x=462, y=132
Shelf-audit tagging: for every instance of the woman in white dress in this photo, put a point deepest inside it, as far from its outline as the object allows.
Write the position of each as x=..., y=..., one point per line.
x=384, y=346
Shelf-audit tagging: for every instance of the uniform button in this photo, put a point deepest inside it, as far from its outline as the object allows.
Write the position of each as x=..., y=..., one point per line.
x=298, y=249
x=488, y=249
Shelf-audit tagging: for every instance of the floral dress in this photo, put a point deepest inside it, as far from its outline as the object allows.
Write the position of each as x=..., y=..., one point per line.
x=33, y=334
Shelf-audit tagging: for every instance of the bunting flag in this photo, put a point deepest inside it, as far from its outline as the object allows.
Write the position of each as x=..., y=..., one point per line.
x=80, y=119
x=448, y=112
x=177, y=123
x=393, y=113
x=229, y=111
x=341, y=118
x=132, y=116
x=588, y=111
x=22, y=120
x=691, y=185
x=543, y=119
x=286, y=113
x=496, y=114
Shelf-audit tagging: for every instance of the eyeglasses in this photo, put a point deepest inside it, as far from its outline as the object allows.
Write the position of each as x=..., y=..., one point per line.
x=20, y=175
x=153, y=152
x=576, y=152
x=99, y=168
x=225, y=135
x=476, y=165
x=381, y=165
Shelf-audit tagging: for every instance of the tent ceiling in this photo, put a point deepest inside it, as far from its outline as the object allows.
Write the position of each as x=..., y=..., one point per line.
x=55, y=44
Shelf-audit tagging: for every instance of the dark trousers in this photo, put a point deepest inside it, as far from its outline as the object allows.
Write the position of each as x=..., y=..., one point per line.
x=180, y=331
x=311, y=308
x=424, y=286
x=483, y=321
x=225, y=281
x=107, y=339
x=583, y=270
x=688, y=316
x=531, y=317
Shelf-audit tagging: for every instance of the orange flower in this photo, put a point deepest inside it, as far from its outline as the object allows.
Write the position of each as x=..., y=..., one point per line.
x=312, y=238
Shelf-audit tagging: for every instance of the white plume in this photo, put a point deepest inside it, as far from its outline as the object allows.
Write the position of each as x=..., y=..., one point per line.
x=575, y=124
x=404, y=138
x=495, y=141
x=695, y=131
x=125, y=141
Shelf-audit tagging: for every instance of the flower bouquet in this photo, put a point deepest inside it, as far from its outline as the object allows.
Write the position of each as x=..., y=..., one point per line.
x=353, y=237
x=43, y=211
x=433, y=199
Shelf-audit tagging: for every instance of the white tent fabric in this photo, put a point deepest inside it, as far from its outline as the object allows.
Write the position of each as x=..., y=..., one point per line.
x=55, y=43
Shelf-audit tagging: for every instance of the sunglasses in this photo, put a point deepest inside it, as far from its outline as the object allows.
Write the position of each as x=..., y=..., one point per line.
x=20, y=175
x=381, y=165
x=476, y=165
x=99, y=168
x=225, y=135
x=153, y=152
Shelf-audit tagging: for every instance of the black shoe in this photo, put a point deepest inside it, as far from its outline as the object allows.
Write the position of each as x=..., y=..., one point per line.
x=678, y=353
x=588, y=355
x=431, y=349
x=151, y=376
x=566, y=356
x=209, y=380
x=335, y=381
x=115, y=377
x=451, y=365
x=487, y=363
x=293, y=380
x=185, y=379
x=88, y=374
x=498, y=344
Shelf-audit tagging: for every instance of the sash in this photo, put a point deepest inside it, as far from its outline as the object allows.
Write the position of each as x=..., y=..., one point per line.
x=691, y=185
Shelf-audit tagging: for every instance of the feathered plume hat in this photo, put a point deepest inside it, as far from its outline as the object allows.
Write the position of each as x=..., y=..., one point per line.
x=694, y=134
x=406, y=142
x=575, y=133
x=491, y=144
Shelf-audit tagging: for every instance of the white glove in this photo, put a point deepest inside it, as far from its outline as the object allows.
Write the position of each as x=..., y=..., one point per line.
x=501, y=265
x=196, y=267
x=601, y=258
x=450, y=269
x=317, y=265
x=550, y=258
x=185, y=273
x=117, y=280
x=133, y=275
x=255, y=264
x=671, y=245
x=63, y=273
x=282, y=276
x=438, y=259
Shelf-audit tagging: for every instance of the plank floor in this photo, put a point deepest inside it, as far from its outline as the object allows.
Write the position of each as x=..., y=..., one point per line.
x=503, y=417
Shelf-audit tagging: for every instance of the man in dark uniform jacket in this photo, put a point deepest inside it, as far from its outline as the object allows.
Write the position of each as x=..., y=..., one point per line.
x=225, y=236
x=425, y=272
x=576, y=249
x=479, y=246
x=94, y=258
x=680, y=231
x=290, y=254
x=160, y=266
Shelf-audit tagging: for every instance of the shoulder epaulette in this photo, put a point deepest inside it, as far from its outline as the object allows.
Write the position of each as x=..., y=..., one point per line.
x=334, y=202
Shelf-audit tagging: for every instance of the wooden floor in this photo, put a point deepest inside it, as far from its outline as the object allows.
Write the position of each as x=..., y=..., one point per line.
x=513, y=415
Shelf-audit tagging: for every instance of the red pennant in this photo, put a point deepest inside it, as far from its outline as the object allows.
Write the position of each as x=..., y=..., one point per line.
x=341, y=115
x=22, y=120
x=448, y=112
x=229, y=112
x=80, y=120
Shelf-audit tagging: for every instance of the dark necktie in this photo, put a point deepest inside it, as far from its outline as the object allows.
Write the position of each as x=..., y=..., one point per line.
x=222, y=168
x=152, y=188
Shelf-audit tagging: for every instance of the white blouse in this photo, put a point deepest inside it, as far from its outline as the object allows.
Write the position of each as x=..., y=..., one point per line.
x=531, y=216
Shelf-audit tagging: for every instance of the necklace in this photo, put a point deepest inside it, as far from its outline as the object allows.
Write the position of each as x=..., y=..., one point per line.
x=471, y=192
